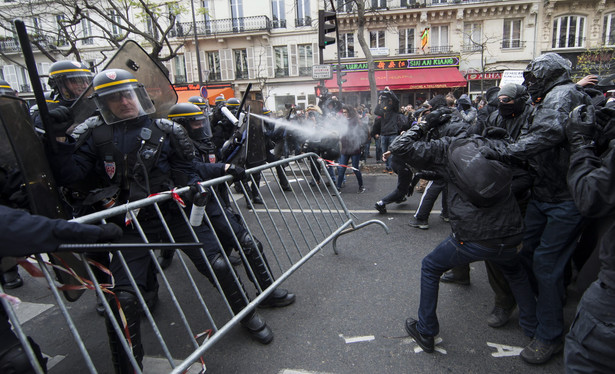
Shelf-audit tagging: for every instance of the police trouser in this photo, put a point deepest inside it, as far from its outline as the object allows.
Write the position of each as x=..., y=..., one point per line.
x=13, y=357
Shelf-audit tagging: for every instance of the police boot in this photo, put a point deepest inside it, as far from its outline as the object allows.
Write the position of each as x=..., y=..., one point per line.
x=255, y=325
x=131, y=309
x=166, y=258
x=253, y=249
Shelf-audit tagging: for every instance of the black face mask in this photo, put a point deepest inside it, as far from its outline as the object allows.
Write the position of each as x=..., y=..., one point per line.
x=507, y=110
x=535, y=92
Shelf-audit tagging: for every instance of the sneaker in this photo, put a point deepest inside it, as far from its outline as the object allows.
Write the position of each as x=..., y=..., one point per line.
x=419, y=223
x=499, y=316
x=539, y=352
x=361, y=189
x=385, y=171
x=380, y=207
x=424, y=341
x=444, y=218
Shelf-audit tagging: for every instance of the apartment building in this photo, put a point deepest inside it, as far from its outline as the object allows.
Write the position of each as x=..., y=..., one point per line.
x=420, y=47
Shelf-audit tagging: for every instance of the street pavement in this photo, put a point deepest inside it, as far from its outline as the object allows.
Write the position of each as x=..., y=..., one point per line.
x=350, y=309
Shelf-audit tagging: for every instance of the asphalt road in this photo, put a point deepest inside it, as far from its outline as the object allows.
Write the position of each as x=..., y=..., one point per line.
x=349, y=313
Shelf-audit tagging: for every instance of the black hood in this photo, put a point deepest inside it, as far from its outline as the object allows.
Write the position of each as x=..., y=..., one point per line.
x=544, y=73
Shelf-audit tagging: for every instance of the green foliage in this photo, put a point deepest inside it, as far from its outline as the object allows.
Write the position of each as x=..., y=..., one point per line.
x=598, y=61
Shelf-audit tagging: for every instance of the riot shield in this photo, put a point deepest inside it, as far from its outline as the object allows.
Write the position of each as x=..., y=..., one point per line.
x=131, y=57
x=22, y=150
x=256, y=144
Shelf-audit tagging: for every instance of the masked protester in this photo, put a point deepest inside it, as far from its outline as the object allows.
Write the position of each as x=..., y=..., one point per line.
x=389, y=123
x=590, y=343
x=553, y=222
x=467, y=112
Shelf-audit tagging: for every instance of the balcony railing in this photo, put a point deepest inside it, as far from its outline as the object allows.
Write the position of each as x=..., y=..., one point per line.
x=11, y=45
x=281, y=72
x=241, y=74
x=471, y=47
x=225, y=26
x=278, y=24
x=440, y=49
x=306, y=21
x=513, y=44
x=305, y=71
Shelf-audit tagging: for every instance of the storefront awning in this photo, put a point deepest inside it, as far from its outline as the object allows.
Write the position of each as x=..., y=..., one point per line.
x=411, y=79
x=212, y=93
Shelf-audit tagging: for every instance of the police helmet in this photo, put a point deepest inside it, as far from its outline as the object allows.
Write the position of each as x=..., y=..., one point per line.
x=198, y=101
x=220, y=100
x=233, y=105
x=120, y=97
x=191, y=117
x=69, y=78
x=6, y=89
x=266, y=111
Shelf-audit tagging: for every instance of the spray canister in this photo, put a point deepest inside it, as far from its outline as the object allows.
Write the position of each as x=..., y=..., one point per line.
x=198, y=206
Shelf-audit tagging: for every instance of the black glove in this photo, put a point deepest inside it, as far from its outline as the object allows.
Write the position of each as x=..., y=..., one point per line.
x=238, y=173
x=198, y=195
x=438, y=117
x=490, y=153
x=417, y=131
x=61, y=119
x=495, y=133
x=110, y=232
x=581, y=127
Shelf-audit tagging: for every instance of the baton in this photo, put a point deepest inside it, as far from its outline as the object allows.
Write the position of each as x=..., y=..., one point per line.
x=39, y=95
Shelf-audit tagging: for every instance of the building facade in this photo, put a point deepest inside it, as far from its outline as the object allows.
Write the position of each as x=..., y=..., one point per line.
x=420, y=47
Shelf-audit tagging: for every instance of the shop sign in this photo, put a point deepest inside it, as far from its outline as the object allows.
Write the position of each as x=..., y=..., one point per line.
x=512, y=76
x=186, y=87
x=479, y=76
x=403, y=64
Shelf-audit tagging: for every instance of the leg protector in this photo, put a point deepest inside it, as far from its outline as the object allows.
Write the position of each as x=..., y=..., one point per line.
x=131, y=309
x=14, y=360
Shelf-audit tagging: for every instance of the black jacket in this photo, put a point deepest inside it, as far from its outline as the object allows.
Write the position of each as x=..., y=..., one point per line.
x=468, y=221
x=591, y=180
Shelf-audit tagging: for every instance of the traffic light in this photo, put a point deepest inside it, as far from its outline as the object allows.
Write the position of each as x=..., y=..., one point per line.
x=340, y=75
x=326, y=23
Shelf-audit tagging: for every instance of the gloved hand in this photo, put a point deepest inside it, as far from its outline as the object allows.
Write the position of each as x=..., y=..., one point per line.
x=495, y=133
x=581, y=127
x=438, y=117
x=61, y=119
x=238, y=173
x=198, y=195
x=110, y=232
x=490, y=153
x=417, y=131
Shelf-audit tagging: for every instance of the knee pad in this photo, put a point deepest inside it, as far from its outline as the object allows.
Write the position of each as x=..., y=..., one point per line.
x=250, y=244
x=220, y=266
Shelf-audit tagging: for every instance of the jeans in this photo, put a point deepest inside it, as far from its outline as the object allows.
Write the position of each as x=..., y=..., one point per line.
x=386, y=141
x=451, y=253
x=341, y=171
x=551, y=230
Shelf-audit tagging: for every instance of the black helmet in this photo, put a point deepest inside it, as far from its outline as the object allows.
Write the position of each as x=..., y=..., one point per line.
x=191, y=117
x=198, y=101
x=220, y=100
x=69, y=78
x=6, y=89
x=233, y=105
x=120, y=97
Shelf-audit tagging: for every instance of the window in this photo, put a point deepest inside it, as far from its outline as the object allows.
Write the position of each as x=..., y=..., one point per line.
x=406, y=41
x=376, y=39
x=438, y=39
x=379, y=4
x=281, y=61
x=237, y=15
x=608, y=33
x=36, y=25
x=116, y=22
x=511, y=36
x=60, y=24
x=152, y=27
x=279, y=17
x=241, y=63
x=305, y=60
x=472, y=36
x=346, y=45
x=179, y=70
x=303, y=13
x=568, y=32
x=344, y=6
x=86, y=28
x=213, y=63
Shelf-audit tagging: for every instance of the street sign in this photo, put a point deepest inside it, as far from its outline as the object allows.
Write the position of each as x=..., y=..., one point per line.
x=204, y=92
x=322, y=72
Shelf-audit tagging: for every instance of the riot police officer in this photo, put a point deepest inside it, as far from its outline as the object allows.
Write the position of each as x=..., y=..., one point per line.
x=6, y=89
x=69, y=79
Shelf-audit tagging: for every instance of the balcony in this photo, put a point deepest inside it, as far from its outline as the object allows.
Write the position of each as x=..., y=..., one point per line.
x=9, y=45
x=471, y=47
x=225, y=26
x=281, y=72
x=306, y=21
x=278, y=24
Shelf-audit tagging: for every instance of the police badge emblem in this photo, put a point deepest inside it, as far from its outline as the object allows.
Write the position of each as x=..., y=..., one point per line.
x=110, y=168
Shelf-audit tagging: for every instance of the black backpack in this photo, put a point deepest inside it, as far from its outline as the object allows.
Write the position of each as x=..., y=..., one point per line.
x=485, y=182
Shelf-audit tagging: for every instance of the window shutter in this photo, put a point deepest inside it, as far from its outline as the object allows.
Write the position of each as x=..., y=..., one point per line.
x=270, y=63
x=294, y=65
x=251, y=67
x=189, y=65
x=315, y=54
x=226, y=64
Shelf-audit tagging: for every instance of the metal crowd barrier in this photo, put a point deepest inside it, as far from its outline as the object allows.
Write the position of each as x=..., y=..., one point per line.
x=291, y=225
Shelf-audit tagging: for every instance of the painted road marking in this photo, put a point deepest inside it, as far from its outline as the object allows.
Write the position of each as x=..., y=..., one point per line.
x=438, y=340
x=505, y=350
x=26, y=311
x=357, y=339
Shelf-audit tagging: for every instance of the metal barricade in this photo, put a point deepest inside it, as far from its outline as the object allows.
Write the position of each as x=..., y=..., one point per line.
x=292, y=227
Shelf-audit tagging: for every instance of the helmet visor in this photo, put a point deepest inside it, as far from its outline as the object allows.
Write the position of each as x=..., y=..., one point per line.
x=124, y=103
x=72, y=85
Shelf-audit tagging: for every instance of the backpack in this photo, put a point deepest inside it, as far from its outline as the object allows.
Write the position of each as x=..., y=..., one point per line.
x=485, y=182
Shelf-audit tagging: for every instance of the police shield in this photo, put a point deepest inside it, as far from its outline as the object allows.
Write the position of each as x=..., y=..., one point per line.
x=131, y=57
x=22, y=154
x=256, y=147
